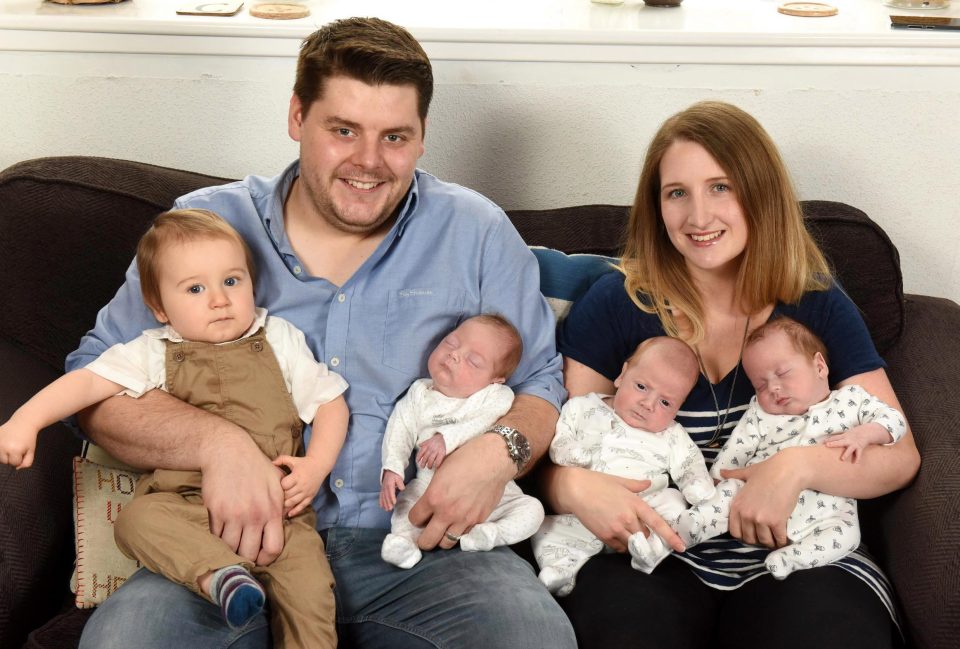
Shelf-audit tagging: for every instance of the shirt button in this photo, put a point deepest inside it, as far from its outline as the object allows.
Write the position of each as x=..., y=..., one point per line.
x=334, y=361
x=338, y=483
x=297, y=270
x=341, y=297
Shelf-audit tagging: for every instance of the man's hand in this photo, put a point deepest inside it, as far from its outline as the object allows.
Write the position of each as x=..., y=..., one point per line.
x=463, y=492
x=432, y=452
x=301, y=484
x=242, y=493
x=389, y=486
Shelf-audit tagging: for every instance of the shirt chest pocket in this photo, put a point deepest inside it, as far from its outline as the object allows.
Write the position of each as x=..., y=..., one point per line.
x=416, y=320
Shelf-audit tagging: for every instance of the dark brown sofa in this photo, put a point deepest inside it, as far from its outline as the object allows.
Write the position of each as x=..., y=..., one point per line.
x=68, y=228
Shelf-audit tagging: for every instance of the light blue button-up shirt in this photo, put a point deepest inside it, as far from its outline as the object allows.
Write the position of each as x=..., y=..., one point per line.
x=451, y=254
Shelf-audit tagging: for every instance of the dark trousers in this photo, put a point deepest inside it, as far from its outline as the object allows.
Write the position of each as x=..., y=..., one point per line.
x=613, y=605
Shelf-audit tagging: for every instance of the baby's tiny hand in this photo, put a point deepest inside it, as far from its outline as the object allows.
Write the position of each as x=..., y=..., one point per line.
x=17, y=445
x=392, y=483
x=301, y=485
x=432, y=452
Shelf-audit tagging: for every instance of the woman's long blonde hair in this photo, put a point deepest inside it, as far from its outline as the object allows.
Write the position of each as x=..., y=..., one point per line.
x=780, y=262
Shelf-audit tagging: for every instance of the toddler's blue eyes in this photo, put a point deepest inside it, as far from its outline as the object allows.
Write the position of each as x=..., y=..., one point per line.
x=196, y=289
x=230, y=281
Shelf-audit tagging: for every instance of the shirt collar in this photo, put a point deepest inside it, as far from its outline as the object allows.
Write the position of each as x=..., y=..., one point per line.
x=408, y=206
x=166, y=332
x=273, y=215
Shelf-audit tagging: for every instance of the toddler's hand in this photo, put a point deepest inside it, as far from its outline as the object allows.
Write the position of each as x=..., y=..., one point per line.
x=392, y=483
x=432, y=452
x=301, y=485
x=17, y=445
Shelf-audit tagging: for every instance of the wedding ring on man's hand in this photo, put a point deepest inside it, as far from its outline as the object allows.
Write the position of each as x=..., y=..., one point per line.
x=452, y=537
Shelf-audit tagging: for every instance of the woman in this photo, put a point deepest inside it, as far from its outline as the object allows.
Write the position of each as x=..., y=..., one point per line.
x=716, y=246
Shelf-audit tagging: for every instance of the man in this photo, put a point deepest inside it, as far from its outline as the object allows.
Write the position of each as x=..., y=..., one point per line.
x=374, y=260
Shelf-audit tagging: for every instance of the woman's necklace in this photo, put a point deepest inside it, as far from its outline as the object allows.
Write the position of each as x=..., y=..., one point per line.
x=714, y=441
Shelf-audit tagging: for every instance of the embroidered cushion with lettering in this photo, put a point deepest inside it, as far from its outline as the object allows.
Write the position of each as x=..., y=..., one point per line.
x=564, y=278
x=100, y=493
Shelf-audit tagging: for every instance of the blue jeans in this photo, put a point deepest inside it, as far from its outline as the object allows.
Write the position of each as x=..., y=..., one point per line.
x=451, y=599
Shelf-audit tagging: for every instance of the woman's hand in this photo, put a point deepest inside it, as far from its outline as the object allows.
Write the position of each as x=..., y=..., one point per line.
x=759, y=513
x=610, y=507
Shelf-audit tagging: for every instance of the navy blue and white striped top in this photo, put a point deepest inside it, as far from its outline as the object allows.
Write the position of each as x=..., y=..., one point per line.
x=605, y=326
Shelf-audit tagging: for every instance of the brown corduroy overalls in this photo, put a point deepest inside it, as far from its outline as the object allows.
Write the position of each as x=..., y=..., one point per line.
x=166, y=526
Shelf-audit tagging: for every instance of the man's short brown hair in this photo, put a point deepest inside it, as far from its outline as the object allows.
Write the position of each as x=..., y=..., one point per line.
x=370, y=50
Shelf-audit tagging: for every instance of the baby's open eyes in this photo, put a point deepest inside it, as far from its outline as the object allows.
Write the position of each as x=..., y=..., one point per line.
x=196, y=289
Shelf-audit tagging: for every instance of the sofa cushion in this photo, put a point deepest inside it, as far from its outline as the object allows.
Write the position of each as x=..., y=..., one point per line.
x=100, y=493
x=60, y=632
x=867, y=264
x=36, y=533
x=564, y=278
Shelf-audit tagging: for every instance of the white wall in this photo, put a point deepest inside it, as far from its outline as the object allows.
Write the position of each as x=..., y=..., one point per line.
x=529, y=135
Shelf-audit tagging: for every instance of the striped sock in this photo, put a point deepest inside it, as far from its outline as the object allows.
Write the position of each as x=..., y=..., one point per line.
x=240, y=595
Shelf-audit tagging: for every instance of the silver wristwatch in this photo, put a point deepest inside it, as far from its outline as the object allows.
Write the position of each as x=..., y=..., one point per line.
x=517, y=445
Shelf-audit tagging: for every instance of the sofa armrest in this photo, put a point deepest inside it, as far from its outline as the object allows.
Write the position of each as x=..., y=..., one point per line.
x=36, y=513
x=919, y=527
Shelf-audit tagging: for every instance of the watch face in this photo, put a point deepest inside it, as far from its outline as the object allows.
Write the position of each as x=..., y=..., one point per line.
x=523, y=447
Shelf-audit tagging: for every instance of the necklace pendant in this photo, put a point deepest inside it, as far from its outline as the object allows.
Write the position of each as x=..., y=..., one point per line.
x=713, y=444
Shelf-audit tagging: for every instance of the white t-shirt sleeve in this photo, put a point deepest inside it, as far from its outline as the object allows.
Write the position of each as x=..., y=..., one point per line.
x=139, y=365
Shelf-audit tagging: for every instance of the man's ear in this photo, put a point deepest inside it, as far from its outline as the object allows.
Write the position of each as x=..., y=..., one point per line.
x=423, y=137
x=295, y=118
